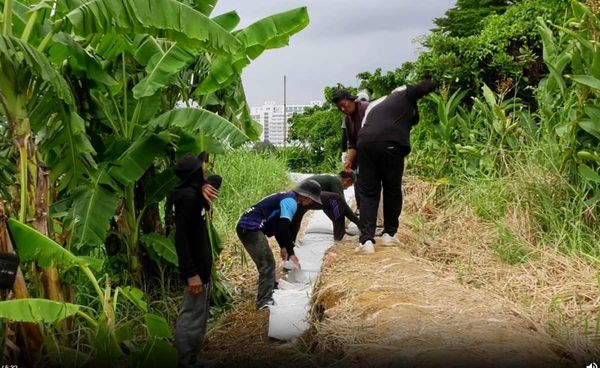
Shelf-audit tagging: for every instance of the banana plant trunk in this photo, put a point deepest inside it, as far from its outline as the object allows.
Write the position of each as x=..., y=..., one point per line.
x=50, y=275
x=128, y=225
x=28, y=337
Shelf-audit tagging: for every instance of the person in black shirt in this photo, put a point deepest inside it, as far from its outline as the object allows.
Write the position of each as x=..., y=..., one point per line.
x=383, y=143
x=192, y=198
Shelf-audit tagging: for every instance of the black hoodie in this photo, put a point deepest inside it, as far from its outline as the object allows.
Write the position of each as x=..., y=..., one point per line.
x=191, y=235
x=393, y=118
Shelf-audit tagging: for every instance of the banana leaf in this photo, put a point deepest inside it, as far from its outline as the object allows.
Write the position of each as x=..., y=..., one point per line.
x=173, y=19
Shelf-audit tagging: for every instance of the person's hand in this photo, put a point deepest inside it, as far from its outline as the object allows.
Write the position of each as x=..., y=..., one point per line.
x=296, y=262
x=284, y=254
x=347, y=165
x=210, y=193
x=195, y=285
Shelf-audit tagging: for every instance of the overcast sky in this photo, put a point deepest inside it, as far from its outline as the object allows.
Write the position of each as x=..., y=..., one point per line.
x=344, y=38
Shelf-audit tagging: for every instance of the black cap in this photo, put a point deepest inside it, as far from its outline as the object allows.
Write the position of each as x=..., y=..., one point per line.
x=310, y=189
x=342, y=94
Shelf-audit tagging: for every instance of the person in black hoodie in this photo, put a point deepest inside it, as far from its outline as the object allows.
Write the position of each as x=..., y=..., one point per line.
x=383, y=143
x=192, y=198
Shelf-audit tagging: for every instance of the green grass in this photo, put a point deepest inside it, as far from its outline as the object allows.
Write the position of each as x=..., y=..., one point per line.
x=247, y=178
x=534, y=187
x=510, y=248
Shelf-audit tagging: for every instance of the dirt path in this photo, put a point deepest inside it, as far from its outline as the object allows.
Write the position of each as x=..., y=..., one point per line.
x=442, y=299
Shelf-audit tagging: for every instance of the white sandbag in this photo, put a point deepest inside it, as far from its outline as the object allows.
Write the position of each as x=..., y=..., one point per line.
x=319, y=224
x=288, y=322
x=286, y=285
x=302, y=277
x=286, y=298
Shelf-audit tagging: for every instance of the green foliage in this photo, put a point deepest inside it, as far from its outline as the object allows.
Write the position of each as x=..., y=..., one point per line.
x=33, y=246
x=36, y=311
x=514, y=127
x=466, y=17
x=88, y=90
x=509, y=247
x=378, y=84
x=319, y=132
x=200, y=121
x=160, y=248
x=179, y=21
x=505, y=54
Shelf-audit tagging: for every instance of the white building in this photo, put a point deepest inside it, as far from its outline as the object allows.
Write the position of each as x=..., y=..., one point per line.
x=271, y=116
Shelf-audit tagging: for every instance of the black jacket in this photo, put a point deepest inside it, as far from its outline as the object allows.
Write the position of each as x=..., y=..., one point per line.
x=191, y=234
x=392, y=119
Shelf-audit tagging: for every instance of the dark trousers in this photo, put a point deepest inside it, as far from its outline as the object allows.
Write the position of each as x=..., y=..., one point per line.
x=381, y=166
x=191, y=326
x=257, y=245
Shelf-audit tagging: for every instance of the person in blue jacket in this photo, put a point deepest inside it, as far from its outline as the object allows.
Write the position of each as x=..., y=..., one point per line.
x=272, y=216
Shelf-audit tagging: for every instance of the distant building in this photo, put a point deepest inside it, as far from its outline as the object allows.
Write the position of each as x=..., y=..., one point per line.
x=270, y=116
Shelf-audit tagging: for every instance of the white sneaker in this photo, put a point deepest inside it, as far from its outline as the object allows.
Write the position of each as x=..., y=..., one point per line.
x=366, y=247
x=389, y=241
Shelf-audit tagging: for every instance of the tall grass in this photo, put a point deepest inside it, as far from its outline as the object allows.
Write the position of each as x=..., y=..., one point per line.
x=247, y=178
x=532, y=185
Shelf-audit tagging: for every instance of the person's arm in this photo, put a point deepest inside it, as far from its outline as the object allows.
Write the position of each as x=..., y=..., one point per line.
x=350, y=157
x=349, y=214
x=288, y=208
x=339, y=228
x=333, y=208
x=420, y=90
x=284, y=235
x=296, y=223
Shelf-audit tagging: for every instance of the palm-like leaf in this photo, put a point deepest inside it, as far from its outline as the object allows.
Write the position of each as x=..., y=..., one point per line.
x=162, y=246
x=134, y=162
x=94, y=204
x=20, y=53
x=228, y=20
x=80, y=60
x=45, y=252
x=69, y=152
x=204, y=6
x=178, y=21
x=268, y=33
x=201, y=122
x=36, y=310
x=162, y=68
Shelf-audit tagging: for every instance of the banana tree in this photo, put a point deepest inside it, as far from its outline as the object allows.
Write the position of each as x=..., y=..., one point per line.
x=102, y=41
x=27, y=82
x=153, y=72
x=107, y=341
